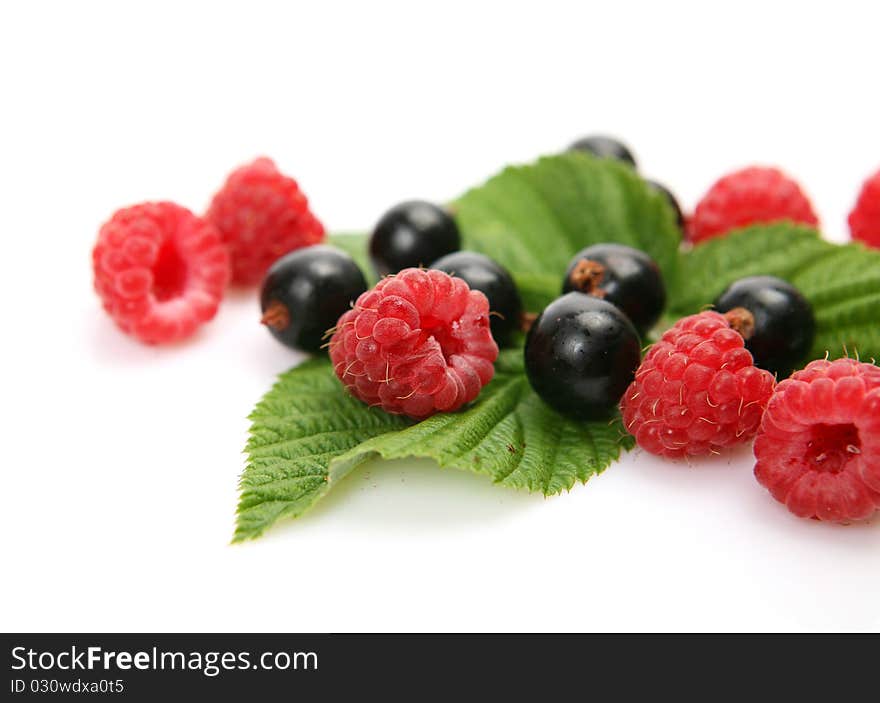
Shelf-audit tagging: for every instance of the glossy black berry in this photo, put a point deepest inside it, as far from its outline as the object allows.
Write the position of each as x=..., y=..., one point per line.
x=412, y=234
x=483, y=274
x=306, y=291
x=605, y=148
x=671, y=199
x=623, y=276
x=581, y=354
x=784, y=325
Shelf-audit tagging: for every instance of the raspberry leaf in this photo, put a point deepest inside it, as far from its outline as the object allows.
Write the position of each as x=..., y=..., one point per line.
x=508, y=434
x=779, y=249
x=533, y=219
x=842, y=282
x=299, y=426
x=307, y=434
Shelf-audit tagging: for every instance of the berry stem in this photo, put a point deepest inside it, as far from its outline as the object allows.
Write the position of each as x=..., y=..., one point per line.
x=742, y=321
x=586, y=277
x=276, y=316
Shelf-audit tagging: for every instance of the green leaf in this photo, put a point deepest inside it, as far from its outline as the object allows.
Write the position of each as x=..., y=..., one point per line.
x=842, y=282
x=509, y=434
x=307, y=434
x=302, y=423
x=533, y=219
x=776, y=249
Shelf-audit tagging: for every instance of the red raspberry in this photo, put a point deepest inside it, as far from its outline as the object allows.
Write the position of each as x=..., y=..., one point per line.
x=160, y=271
x=818, y=449
x=262, y=215
x=697, y=389
x=864, y=220
x=749, y=196
x=416, y=344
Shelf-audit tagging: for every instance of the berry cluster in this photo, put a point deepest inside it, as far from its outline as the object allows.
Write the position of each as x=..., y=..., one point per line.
x=425, y=338
x=818, y=449
x=160, y=271
x=864, y=220
x=749, y=196
x=698, y=390
x=261, y=215
x=417, y=344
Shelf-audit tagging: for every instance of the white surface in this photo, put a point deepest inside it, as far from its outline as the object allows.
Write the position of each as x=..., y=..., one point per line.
x=120, y=462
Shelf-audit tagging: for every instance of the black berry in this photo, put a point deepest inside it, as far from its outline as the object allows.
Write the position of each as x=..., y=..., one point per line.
x=784, y=325
x=581, y=354
x=605, y=148
x=412, y=234
x=623, y=276
x=483, y=274
x=671, y=199
x=306, y=291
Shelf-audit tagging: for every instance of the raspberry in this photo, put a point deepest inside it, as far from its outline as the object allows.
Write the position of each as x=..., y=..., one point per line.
x=749, y=196
x=697, y=389
x=261, y=215
x=818, y=448
x=416, y=344
x=864, y=220
x=160, y=271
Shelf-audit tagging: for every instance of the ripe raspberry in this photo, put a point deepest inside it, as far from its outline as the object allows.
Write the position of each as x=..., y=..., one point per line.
x=864, y=220
x=261, y=215
x=160, y=271
x=416, y=344
x=697, y=389
x=749, y=196
x=818, y=449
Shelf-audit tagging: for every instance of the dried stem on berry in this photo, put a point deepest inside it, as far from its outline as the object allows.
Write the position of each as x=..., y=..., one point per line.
x=742, y=321
x=586, y=277
x=276, y=316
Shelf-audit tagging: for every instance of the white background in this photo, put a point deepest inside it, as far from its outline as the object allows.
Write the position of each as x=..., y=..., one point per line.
x=119, y=461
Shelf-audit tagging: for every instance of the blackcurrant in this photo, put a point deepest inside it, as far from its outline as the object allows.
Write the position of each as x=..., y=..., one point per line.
x=784, y=325
x=412, y=234
x=671, y=199
x=306, y=291
x=623, y=276
x=605, y=148
x=581, y=354
x=483, y=274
